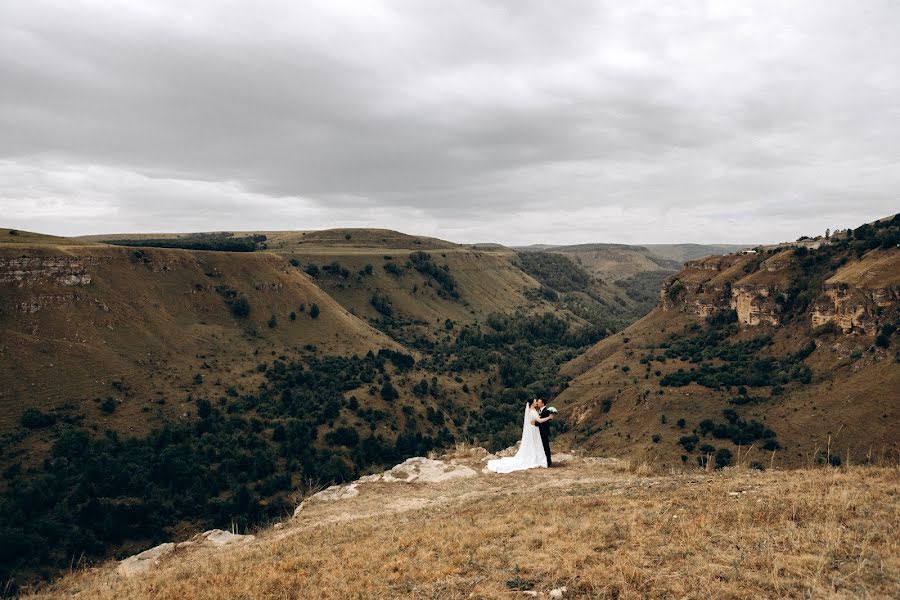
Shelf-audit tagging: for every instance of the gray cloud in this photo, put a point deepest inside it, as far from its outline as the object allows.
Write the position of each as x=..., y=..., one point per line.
x=513, y=122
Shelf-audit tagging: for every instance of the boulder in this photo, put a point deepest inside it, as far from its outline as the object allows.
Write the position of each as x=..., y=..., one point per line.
x=219, y=537
x=148, y=559
x=333, y=493
x=425, y=470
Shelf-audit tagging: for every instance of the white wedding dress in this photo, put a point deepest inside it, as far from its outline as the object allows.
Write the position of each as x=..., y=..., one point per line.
x=531, y=450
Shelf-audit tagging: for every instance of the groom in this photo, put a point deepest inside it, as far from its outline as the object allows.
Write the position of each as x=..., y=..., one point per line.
x=544, y=427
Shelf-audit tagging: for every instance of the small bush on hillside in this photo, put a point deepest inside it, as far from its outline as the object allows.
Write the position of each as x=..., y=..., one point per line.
x=393, y=269
x=293, y=316
x=240, y=306
x=336, y=270
x=343, y=436
x=312, y=270
x=108, y=406
x=723, y=458
x=32, y=418
x=382, y=303
x=688, y=442
x=314, y=311
x=389, y=392
x=829, y=328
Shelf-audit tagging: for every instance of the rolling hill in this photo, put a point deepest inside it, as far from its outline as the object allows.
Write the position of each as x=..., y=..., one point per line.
x=162, y=384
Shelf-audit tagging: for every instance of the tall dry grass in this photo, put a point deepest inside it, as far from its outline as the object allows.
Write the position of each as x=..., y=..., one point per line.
x=814, y=533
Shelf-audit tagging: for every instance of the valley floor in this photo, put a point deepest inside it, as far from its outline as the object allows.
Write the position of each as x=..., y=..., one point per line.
x=595, y=526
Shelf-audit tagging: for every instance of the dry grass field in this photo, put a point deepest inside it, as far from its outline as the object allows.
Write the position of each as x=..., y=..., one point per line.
x=594, y=526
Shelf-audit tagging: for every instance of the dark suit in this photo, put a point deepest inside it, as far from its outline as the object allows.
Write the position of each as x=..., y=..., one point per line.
x=545, y=434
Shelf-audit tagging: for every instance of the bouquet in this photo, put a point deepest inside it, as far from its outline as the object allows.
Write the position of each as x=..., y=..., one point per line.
x=551, y=410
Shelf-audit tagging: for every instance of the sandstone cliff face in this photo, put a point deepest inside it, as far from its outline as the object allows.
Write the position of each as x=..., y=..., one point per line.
x=854, y=309
x=860, y=297
x=755, y=304
x=31, y=270
x=714, y=284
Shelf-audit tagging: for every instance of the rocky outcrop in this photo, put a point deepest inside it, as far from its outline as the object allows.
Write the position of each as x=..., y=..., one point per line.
x=31, y=270
x=148, y=559
x=755, y=304
x=854, y=309
x=414, y=470
x=36, y=303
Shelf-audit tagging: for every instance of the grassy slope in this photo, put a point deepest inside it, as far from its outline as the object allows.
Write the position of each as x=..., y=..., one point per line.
x=593, y=527
x=850, y=400
x=159, y=331
x=486, y=279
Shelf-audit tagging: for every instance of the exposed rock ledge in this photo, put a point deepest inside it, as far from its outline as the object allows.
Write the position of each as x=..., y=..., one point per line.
x=416, y=469
x=146, y=560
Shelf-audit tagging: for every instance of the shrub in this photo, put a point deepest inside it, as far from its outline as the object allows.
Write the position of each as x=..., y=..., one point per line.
x=389, y=392
x=272, y=322
x=421, y=388
x=723, y=458
x=240, y=306
x=656, y=437
x=312, y=270
x=688, y=442
x=314, y=311
x=32, y=418
x=829, y=328
x=393, y=269
x=108, y=406
x=681, y=423
x=382, y=303
x=293, y=316
x=342, y=436
x=335, y=269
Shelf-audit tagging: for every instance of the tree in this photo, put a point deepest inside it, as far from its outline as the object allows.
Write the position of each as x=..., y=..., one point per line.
x=389, y=392
x=314, y=311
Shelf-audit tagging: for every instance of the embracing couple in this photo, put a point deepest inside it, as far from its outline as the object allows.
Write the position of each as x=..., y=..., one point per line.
x=534, y=450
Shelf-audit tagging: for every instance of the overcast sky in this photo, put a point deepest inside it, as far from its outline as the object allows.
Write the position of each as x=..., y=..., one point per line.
x=516, y=122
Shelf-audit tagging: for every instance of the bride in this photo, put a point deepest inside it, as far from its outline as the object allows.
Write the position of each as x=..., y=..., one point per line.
x=531, y=450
